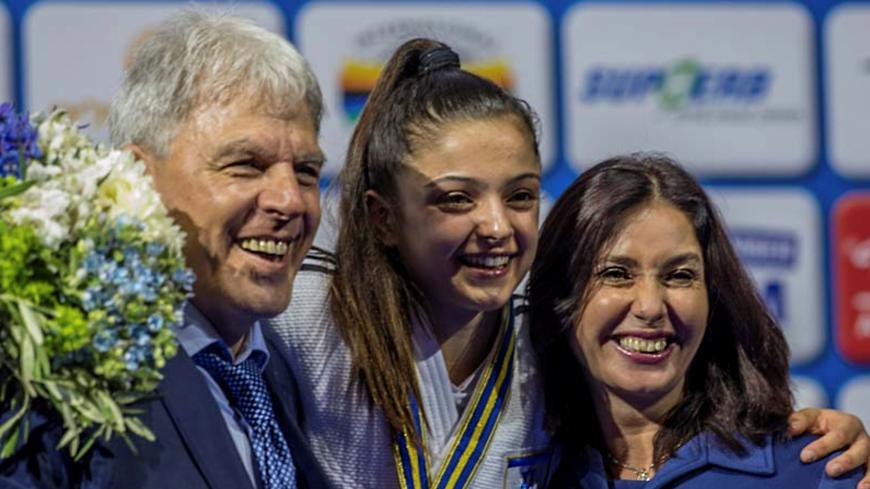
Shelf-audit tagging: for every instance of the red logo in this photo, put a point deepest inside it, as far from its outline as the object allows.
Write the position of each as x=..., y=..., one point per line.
x=851, y=246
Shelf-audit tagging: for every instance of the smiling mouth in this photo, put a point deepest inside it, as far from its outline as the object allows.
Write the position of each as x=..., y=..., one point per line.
x=486, y=262
x=643, y=345
x=270, y=249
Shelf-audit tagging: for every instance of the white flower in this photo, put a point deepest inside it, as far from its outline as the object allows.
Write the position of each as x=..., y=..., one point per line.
x=45, y=210
x=128, y=191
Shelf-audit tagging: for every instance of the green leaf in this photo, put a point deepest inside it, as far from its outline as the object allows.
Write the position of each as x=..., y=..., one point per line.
x=53, y=391
x=9, y=445
x=89, y=410
x=43, y=366
x=129, y=442
x=66, y=412
x=13, y=421
x=71, y=436
x=88, y=444
x=16, y=189
x=139, y=428
x=27, y=363
x=31, y=322
x=111, y=409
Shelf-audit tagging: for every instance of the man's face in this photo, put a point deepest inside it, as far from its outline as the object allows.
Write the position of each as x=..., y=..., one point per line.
x=244, y=185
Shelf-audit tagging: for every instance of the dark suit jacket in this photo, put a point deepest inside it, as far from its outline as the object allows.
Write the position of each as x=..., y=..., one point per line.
x=193, y=449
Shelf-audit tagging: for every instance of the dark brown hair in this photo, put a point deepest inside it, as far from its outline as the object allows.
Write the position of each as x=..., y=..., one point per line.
x=372, y=299
x=737, y=384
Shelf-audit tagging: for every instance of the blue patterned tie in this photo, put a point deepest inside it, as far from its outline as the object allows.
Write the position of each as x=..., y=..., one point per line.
x=247, y=391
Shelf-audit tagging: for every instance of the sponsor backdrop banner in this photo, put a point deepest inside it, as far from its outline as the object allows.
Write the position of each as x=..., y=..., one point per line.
x=852, y=271
x=766, y=101
x=777, y=233
x=75, y=53
x=847, y=45
x=706, y=83
x=348, y=45
x=855, y=397
x=6, y=71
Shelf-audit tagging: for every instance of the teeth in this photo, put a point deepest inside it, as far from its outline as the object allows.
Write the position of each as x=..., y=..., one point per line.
x=634, y=343
x=271, y=247
x=487, y=261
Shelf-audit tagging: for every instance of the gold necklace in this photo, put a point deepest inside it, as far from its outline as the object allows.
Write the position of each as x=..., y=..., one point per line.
x=642, y=473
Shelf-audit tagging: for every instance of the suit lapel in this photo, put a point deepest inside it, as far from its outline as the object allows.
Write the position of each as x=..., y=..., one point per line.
x=200, y=424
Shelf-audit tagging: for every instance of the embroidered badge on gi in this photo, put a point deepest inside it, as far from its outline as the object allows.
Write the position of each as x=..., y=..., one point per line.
x=529, y=470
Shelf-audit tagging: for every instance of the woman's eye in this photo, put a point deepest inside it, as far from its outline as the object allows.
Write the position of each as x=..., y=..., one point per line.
x=614, y=275
x=526, y=197
x=454, y=201
x=682, y=276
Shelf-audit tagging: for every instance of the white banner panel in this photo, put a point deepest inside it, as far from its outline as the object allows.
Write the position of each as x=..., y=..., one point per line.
x=725, y=88
x=74, y=53
x=847, y=58
x=854, y=397
x=348, y=44
x=808, y=393
x=777, y=233
x=6, y=71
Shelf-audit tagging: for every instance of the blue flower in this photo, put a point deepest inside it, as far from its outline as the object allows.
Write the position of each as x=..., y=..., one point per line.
x=107, y=271
x=17, y=142
x=135, y=355
x=139, y=334
x=184, y=277
x=155, y=323
x=105, y=339
x=93, y=262
x=92, y=298
x=155, y=249
x=131, y=256
x=120, y=276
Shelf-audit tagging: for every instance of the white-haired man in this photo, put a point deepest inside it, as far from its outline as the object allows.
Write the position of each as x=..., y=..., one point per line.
x=225, y=116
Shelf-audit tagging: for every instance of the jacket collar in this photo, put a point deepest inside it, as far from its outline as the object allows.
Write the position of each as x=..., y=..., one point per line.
x=200, y=425
x=702, y=450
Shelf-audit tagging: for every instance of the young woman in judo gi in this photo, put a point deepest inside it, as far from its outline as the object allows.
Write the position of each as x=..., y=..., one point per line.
x=663, y=367
x=438, y=225
x=414, y=368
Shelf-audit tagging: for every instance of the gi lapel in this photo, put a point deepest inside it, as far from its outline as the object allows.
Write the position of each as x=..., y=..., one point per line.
x=477, y=425
x=200, y=424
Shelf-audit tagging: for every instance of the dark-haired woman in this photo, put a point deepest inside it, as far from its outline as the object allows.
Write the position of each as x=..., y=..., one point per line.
x=662, y=366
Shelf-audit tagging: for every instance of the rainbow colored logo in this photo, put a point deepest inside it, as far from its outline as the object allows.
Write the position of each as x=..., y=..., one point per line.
x=358, y=78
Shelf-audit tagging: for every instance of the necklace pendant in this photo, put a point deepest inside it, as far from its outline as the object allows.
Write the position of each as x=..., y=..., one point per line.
x=642, y=475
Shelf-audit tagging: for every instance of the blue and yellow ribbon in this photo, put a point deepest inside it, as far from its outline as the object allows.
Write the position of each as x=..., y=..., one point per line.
x=478, y=424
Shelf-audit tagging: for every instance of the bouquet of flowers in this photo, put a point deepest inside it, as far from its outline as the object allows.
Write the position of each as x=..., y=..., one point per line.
x=92, y=276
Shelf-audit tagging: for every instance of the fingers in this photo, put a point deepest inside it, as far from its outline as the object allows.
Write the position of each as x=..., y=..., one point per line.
x=830, y=442
x=800, y=421
x=856, y=456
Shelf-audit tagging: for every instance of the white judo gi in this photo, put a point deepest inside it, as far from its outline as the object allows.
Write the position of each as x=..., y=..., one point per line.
x=352, y=440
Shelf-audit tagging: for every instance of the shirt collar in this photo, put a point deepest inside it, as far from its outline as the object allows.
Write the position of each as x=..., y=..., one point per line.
x=758, y=459
x=704, y=449
x=196, y=332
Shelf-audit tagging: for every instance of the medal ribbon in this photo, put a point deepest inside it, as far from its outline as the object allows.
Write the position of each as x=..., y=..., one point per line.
x=478, y=423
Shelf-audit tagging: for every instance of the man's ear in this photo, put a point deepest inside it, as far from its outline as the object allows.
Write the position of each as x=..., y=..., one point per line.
x=142, y=155
x=383, y=217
